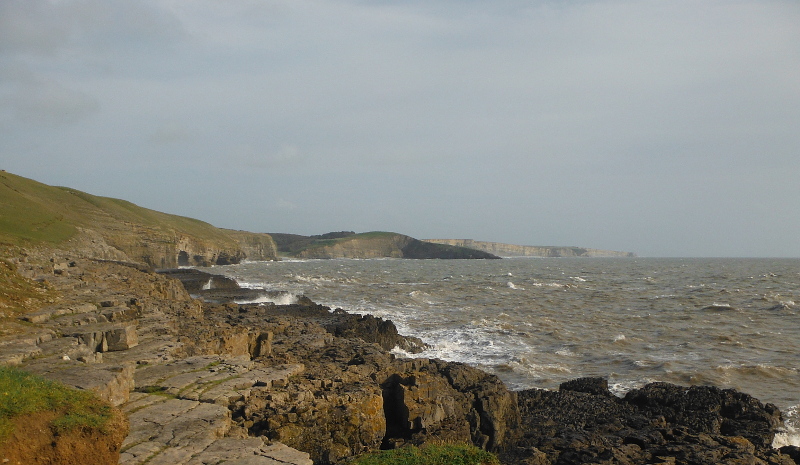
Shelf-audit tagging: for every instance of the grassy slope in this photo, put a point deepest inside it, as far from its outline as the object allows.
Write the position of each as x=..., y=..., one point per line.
x=32, y=213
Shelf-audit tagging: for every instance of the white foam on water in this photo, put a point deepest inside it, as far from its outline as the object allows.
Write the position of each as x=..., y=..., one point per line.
x=514, y=286
x=621, y=388
x=283, y=299
x=789, y=435
x=207, y=286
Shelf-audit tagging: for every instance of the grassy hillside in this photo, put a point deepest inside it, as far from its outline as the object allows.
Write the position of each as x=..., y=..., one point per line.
x=32, y=213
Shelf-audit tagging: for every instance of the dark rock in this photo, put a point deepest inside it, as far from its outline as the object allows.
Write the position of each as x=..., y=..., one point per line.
x=792, y=451
x=597, y=386
x=660, y=423
x=707, y=409
x=371, y=329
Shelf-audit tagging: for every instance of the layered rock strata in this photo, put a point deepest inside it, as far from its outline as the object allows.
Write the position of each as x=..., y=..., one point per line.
x=511, y=250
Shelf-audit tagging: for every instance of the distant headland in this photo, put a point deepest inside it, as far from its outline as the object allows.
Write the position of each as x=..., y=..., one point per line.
x=511, y=250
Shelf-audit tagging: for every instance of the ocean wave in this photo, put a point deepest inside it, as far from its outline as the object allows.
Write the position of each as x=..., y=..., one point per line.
x=759, y=371
x=284, y=299
x=553, y=285
x=789, y=434
x=717, y=307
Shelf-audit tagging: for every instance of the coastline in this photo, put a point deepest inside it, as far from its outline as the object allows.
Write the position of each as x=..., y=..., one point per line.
x=303, y=379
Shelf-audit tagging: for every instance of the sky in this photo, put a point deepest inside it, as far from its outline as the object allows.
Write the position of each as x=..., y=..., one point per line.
x=665, y=128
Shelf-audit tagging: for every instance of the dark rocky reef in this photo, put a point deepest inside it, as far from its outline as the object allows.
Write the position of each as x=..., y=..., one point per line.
x=659, y=423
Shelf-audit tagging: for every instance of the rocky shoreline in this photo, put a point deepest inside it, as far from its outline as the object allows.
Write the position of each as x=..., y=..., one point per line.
x=204, y=380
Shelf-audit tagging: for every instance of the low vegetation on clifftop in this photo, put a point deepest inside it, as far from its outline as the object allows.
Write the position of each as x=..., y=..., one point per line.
x=33, y=214
x=41, y=420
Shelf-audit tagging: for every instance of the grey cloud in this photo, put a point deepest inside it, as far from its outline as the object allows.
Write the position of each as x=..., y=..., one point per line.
x=47, y=103
x=604, y=123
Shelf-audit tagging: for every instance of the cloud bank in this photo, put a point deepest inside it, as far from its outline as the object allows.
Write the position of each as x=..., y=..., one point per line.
x=665, y=128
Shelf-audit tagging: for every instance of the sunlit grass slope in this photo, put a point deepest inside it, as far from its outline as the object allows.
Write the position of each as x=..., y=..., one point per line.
x=32, y=213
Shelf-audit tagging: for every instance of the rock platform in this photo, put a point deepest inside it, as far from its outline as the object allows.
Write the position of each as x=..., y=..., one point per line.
x=114, y=333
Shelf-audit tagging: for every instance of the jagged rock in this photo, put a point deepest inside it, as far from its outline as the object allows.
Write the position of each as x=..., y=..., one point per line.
x=434, y=400
x=660, y=423
x=710, y=410
x=371, y=329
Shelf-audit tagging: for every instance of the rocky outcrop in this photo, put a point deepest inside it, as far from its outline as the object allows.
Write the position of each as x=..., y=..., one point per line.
x=659, y=423
x=511, y=250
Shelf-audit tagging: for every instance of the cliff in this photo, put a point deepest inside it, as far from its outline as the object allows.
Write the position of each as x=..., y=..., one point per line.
x=375, y=244
x=511, y=250
x=35, y=214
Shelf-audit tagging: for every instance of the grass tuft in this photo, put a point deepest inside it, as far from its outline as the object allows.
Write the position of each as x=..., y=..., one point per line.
x=22, y=393
x=430, y=454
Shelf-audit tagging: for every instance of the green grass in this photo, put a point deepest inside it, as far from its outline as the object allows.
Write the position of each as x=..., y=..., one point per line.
x=457, y=454
x=33, y=213
x=19, y=294
x=22, y=393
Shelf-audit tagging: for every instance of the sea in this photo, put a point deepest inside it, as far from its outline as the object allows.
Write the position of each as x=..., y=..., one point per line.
x=537, y=322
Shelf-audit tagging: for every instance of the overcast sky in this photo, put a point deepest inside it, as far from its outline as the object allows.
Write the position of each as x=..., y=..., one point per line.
x=666, y=128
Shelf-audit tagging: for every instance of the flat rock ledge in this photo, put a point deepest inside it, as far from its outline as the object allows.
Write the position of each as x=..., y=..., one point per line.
x=180, y=414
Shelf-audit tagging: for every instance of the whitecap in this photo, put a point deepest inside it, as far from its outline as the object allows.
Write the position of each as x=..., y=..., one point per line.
x=789, y=434
x=282, y=299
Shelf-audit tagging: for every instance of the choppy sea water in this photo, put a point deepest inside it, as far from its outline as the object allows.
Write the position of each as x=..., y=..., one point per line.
x=536, y=322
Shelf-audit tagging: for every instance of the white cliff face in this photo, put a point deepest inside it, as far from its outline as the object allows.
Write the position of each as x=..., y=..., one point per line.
x=511, y=250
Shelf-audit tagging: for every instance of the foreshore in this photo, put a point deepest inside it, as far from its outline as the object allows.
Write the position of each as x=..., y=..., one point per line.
x=204, y=380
